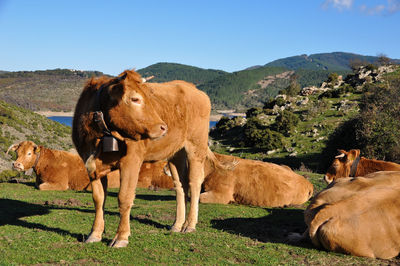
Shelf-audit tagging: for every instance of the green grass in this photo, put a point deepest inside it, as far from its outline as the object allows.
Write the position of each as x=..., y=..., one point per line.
x=48, y=227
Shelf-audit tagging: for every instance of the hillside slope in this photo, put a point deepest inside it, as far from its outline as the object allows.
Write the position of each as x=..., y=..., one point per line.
x=337, y=61
x=54, y=90
x=163, y=72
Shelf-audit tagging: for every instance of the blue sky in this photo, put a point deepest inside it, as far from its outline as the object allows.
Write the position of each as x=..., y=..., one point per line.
x=231, y=35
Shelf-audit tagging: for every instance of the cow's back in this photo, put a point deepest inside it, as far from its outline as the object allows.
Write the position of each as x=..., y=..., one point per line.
x=74, y=168
x=185, y=110
x=358, y=216
x=259, y=183
x=276, y=185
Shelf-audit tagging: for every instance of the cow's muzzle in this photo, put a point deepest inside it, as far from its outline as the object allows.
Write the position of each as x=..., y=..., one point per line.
x=18, y=166
x=159, y=131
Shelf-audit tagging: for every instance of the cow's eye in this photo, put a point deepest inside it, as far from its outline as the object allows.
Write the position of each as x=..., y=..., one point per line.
x=136, y=100
x=29, y=153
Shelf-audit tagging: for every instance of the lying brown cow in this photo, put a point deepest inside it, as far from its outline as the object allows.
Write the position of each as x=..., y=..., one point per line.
x=55, y=169
x=350, y=164
x=152, y=122
x=152, y=175
x=358, y=216
x=254, y=183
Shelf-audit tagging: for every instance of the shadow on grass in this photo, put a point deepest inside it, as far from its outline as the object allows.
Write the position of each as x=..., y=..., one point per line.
x=12, y=210
x=274, y=227
x=149, y=197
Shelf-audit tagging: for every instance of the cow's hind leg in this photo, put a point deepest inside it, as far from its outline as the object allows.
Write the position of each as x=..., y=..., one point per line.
x=99, y=192
x=196, y=178
x=178, y=168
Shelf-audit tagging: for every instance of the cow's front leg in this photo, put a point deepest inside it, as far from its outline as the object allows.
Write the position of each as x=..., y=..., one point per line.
x=99, y=190
x=129, y=169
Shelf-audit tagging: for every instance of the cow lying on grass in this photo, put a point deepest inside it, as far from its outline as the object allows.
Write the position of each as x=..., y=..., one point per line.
x=254, y=183
x=250, y=183
x=55, y=169
x=350, y=164
x=358, y=216
x=152, y=122
x=152, y=175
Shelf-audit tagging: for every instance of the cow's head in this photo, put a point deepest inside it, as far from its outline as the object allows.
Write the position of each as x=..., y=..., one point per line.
x=341, y=165
x=130, y=107
x=27, y=153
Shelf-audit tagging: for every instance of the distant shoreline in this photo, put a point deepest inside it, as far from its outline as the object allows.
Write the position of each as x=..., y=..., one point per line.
x=215, y=118
x=51, y=113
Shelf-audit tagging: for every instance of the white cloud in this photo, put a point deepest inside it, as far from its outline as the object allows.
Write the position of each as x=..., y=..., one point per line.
x=339, y=4
x=386, y=7
x=393, y=6
x=376, y=10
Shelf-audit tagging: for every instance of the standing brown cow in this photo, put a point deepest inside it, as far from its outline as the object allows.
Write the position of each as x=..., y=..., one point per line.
x=350, y=164
x=151, y=122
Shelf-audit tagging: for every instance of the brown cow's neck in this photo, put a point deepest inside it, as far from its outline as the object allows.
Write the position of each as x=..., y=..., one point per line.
x=37, y=160
x=354, y=166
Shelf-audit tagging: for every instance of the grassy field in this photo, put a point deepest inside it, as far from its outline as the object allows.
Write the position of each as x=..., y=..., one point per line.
x=48, y=227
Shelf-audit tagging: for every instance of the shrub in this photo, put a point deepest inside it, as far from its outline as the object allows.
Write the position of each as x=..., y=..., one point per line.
x=285, y=122
x=259, y=136
x=253, y=112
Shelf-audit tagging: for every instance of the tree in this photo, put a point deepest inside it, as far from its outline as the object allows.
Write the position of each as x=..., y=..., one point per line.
x=294, y=87
x=285, y=122
x=383, y=60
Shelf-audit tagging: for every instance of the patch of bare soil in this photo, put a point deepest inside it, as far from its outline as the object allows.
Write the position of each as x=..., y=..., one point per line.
x=69, y=202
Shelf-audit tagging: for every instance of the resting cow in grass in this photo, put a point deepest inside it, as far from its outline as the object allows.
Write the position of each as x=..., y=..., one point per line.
x=152, y=175
x=254, y=183
x=55, y=169
x=358, y=216
x=152, y=122
x=350, y=164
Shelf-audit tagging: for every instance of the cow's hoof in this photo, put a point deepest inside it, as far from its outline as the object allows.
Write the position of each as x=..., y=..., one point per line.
x=119, y=243
x=175, y=229
x=92, y=239
x=188, y=230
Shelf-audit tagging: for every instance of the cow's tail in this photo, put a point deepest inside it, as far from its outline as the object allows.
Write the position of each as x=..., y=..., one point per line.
x=217, y=164
x=323, y=216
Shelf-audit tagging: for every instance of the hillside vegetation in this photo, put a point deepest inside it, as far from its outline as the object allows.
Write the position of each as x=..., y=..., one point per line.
x=54, y=90
x=163, y=72
x=59, y=89
x=305, y=129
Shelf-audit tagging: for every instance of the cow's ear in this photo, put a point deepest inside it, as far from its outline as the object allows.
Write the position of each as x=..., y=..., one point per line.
x=116, y=91
x=353, y=154
x=36, y=149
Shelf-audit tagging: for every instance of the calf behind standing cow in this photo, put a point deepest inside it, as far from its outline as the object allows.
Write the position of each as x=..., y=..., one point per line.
x=55, y=169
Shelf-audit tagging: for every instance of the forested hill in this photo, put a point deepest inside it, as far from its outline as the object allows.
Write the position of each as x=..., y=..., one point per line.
x=55, y=90
x=337, y=61
x=171, y=71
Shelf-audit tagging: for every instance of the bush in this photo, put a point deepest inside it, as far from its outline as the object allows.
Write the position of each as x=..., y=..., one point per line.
x=6, y=175
x=378, y=127
x=253, y=112
x=285, y=122
x=259, y=136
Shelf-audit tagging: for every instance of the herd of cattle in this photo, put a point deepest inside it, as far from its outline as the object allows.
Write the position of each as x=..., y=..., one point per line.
x=159, y=136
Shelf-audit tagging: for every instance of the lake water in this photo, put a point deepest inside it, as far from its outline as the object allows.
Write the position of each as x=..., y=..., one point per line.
x=67, y=120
